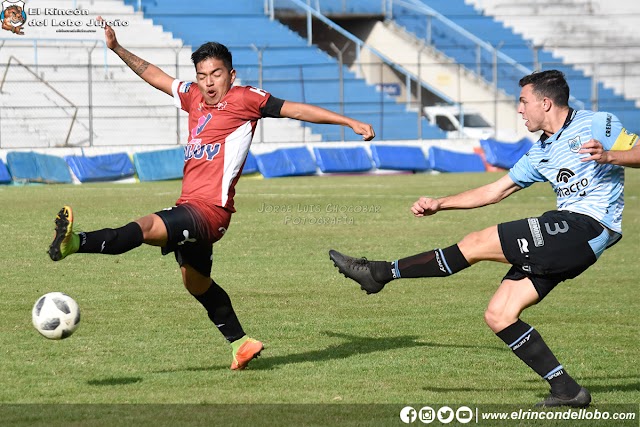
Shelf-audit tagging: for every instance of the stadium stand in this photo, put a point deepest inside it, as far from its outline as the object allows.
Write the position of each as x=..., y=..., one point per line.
x=585, y=33
x=30, y=167
x=118, y=94
x=105, y=167
x=65, y=91
x=466, y=51
x=443, y=160
x=314, y=78
x=398, y=157
x=342, y=160
x=124, y=109
x=342, y=8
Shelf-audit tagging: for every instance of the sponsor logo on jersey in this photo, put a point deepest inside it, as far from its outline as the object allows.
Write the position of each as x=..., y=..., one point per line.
x=184, y=87
x=607, y=126
x=536, y=233
x=576, y=187
x=197, y=151
x=202, y=123
x=564, y=175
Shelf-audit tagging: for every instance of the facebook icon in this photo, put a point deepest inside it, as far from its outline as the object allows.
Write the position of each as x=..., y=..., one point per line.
x=408, y=415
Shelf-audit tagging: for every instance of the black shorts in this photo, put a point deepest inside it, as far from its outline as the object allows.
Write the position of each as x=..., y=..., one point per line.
x=554, y=247
x=189, y=237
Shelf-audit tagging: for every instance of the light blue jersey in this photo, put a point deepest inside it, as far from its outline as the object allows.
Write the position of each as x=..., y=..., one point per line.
x=588, y=188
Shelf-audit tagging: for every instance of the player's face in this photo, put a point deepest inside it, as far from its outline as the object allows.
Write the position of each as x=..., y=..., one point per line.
x=531, y=108
x=214, y=79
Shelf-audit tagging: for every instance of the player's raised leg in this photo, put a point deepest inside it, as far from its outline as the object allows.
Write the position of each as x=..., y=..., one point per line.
x=65, y=242
x=111, y=241
x=374, y=275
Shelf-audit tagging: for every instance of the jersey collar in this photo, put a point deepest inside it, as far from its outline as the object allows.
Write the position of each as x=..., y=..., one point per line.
x=544, y=137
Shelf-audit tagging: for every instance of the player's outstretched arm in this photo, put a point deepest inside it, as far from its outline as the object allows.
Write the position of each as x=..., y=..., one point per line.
x=148, y=72
x=474, y=198
x=314, y=114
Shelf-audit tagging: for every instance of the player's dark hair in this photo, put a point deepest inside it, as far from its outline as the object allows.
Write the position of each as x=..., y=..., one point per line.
x=213, y=50
x=550, y=84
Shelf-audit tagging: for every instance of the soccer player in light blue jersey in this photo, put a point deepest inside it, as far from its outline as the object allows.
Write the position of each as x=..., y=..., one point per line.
x=582, y=155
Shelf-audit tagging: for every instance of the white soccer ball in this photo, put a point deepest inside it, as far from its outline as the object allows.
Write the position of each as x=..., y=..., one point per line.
x=56, y=315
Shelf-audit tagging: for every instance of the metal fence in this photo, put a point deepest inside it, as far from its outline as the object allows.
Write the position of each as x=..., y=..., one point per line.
x=55, y=94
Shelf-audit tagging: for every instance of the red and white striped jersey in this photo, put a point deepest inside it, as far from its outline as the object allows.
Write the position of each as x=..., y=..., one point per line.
x=218, y=143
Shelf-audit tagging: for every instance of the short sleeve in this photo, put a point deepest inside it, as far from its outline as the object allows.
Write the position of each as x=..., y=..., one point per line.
x=182, y=92
x=606, y=128
x=524, y=174
x=254, y=100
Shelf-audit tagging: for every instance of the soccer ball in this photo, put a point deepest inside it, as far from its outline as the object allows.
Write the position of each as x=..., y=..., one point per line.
x=55, y=315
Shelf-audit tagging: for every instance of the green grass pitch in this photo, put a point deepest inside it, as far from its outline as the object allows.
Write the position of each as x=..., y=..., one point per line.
x=144, y=340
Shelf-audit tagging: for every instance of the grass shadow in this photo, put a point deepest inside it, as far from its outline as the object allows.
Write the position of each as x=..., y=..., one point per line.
x=534, y=384
x=610, y=385
x=353, y=345
x=115, y=381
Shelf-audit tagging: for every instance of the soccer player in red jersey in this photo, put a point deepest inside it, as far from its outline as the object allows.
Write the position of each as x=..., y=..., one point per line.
x=222, y=121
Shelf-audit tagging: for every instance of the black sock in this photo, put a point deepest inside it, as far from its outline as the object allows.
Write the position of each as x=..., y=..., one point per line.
x=382, y=271
x=529, y=346
x=220, y=311
x=111, y=241
x=435, y=263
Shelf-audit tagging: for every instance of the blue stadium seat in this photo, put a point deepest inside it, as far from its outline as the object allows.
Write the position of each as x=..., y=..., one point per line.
x=494, y=33
x=198, y=7
x=314, y=77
